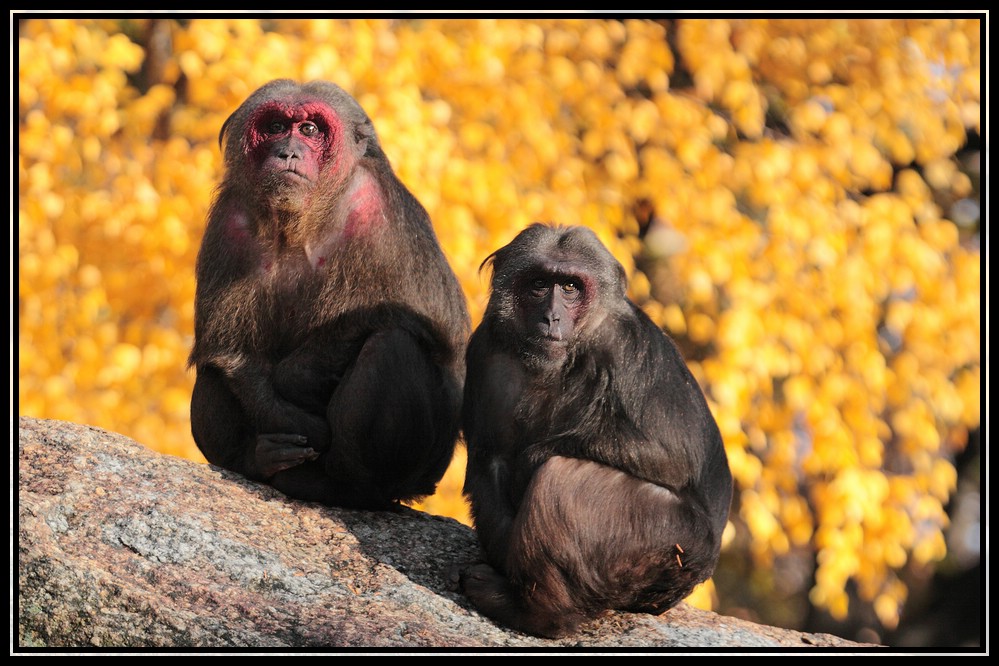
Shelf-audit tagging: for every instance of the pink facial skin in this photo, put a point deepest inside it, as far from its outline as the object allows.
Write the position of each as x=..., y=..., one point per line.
x=295, y=140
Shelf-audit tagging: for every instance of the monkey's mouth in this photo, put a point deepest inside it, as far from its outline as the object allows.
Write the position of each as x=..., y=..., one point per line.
x=550, y=334
x=292, y=176
x=288, y=172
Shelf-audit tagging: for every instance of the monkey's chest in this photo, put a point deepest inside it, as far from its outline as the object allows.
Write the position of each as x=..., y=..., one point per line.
x=290, y=298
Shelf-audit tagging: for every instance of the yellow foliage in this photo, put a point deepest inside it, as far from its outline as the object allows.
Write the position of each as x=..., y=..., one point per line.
x=834, y=308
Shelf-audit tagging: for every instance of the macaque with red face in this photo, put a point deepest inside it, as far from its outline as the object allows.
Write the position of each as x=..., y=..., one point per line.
x=329, y=328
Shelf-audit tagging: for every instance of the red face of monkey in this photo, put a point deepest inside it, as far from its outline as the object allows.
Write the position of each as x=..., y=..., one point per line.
x=289, y=144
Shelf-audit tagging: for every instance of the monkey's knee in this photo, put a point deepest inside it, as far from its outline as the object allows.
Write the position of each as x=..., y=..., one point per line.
x=393, y=424
x=393, y=364
x=397, y=395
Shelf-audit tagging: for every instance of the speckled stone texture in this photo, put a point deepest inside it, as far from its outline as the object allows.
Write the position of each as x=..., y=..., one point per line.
x=119, y=546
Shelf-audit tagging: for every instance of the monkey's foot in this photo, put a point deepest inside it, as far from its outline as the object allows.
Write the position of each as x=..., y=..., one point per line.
x=494, y=596
x=278, y=452
x=481, y=580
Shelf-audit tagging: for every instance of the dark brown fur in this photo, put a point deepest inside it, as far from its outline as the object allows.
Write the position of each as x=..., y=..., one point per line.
x=329, y=327
x=596, y=473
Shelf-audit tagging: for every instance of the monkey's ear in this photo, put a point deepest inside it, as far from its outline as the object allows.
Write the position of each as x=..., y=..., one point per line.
x=225, y=130
x=364, y=138
x=490, y=261
x=622, y=277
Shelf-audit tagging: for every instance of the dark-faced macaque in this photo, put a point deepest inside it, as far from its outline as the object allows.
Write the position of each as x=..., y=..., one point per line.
x=329, y=328
x=596, y=473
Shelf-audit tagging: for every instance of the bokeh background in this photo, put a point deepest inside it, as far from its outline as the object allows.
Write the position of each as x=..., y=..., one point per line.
x=797, y=202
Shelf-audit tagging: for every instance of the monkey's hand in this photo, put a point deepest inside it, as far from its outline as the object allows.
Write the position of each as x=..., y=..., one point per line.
x=289, y=427
x=277, y=452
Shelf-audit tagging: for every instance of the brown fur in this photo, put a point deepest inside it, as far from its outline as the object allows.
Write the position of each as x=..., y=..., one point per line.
x=596, y=473
x=329, y=327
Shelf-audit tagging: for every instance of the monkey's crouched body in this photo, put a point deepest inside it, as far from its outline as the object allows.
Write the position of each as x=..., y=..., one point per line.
x=596, y=474
x=329, y=328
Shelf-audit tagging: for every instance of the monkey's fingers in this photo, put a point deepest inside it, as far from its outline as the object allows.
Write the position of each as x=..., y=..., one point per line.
x=277, y=452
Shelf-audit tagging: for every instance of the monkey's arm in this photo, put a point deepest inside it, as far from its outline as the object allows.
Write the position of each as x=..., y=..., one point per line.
x=493, y=386
x=487, y=486
x=249, y=379
x=287, y=434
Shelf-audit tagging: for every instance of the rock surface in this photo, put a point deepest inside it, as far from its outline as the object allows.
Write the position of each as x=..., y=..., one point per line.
x=119, y=546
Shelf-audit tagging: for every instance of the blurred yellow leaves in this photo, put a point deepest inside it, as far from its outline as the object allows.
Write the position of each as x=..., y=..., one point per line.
x=794, y=169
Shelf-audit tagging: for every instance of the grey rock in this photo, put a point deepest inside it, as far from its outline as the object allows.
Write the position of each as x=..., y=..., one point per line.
x=119, y=547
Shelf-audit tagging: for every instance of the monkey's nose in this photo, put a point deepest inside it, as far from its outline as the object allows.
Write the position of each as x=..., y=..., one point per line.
x=554, y=327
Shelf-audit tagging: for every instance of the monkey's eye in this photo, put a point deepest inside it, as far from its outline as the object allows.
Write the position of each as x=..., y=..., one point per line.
x=276, y=127
x=308, y=129
x=571, y=291
x=539, y=286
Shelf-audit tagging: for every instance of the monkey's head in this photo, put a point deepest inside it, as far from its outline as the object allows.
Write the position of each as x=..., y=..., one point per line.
x=551, y=287
x=287, y=137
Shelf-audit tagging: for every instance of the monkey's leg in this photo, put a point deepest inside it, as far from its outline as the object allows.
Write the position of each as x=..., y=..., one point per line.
x=219, y=424
x=590, y=538
x=538, y=596
x=224, y=433
x=395, y=421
